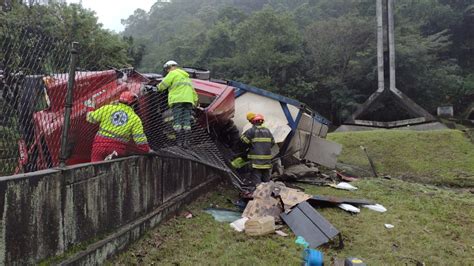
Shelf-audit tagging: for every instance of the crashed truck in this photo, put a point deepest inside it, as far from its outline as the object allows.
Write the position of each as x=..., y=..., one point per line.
x=298, y=130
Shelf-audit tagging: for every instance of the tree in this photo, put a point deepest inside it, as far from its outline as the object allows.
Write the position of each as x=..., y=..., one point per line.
x=342, y=56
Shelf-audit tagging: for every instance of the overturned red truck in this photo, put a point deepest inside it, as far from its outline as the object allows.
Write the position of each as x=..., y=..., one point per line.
x=298, y=130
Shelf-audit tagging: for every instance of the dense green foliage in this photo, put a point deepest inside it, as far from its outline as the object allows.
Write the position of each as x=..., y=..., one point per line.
x=319, y=51
x=57, y=26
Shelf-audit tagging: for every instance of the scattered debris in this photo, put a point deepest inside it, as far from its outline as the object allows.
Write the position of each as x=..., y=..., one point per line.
x=300, y=171
x=305, y=221
x=343, y=185
x=354, y=262
x=272, y=198
x=188, y=215
x=260, y=226
x=349, y=208
x=281, y=233
x=239, y=225
x=330, y=200
x=389, y=226
x=263, y=204
x=387, y=177
x=289, y=196
x=376, y=207
x=345, y=177
x=311, y=257
x=223, y=215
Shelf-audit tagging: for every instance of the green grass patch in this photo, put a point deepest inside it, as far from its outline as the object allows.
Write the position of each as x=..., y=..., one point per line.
x=432, y=225
x=442, y=157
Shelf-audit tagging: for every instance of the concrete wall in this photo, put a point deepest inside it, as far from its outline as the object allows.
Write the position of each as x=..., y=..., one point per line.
x=45, y=213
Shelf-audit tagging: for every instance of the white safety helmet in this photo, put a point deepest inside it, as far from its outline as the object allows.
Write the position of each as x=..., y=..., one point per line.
x=170, y=64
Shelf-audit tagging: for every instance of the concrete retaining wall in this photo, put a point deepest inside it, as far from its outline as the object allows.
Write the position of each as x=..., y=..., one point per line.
x=44, y=214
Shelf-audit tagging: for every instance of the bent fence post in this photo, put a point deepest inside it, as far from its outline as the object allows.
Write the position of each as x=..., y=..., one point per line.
x=68, y=104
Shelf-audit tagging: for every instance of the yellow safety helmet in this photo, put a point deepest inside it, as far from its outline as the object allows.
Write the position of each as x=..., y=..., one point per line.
x=250, y=116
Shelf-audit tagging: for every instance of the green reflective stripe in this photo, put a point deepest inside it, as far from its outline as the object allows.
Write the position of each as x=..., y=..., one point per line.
x=245, y=139
x=260, y=157
x=261, y=166
x=112, y=137
x=261, y=127
x=262, y=140
x=138, y=135
x=168, y=119
x=141, y=142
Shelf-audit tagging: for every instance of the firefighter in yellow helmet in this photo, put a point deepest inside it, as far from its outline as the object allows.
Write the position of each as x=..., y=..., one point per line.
x=259, y=141
x=118, y=125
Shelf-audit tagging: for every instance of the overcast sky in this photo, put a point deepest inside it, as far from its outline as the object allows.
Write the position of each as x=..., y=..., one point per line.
x=110, y=12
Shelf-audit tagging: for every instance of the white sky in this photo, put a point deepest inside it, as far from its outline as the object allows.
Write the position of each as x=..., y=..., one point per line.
x=110, y=12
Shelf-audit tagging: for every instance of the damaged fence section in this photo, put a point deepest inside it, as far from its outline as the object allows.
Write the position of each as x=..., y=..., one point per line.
x=42, y=127
x=108, y=204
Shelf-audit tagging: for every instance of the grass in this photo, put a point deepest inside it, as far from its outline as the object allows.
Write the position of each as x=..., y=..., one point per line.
x=432, y=225
x=442, y=157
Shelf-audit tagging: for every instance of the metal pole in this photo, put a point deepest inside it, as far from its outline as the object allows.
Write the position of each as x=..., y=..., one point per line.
x=68, y=105
x=380, y=45
x=391, y=43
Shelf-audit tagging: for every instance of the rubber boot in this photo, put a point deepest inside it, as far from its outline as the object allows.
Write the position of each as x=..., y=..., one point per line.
x=186, y=137
x=180, y=138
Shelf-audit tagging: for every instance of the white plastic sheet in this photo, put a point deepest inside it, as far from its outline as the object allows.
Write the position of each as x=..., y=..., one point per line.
x=376, y=207
x=239, y=225
x=349, y=208
x=344, y=185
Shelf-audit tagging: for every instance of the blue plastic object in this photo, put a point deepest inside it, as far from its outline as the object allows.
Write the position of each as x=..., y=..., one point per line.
x=311, y=257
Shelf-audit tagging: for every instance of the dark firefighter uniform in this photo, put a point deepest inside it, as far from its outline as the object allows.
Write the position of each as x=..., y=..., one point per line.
x=259, y=140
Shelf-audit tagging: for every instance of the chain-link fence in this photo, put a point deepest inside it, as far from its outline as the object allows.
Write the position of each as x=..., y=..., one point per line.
x=35, y=78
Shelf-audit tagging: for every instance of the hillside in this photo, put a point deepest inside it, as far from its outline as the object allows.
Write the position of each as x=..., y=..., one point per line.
x=444, y=157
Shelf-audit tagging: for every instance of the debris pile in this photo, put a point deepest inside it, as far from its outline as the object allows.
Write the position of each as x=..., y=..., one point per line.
x=274, y=204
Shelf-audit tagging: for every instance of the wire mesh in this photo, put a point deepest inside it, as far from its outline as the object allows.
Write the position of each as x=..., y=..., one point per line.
x=33, y=87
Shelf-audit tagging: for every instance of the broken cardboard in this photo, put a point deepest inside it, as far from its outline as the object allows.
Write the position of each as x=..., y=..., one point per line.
x=271, y=198
x=263, y=204
x=289, y=196
x=260, y=226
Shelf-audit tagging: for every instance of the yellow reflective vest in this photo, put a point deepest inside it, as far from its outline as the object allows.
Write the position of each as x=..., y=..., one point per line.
x=118, y=122
x=179, y=86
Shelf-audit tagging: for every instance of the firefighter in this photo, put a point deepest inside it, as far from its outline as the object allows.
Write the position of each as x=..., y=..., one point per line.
x=259, y=141
x=182, y=98
x=240, y=162
x=118, y=125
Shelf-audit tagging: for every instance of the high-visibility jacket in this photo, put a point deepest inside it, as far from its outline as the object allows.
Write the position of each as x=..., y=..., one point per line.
x=179, y=86
x=118, y=122
x=260, y=141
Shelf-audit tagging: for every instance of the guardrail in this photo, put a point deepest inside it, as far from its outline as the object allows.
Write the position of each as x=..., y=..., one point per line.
x=106, y=205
